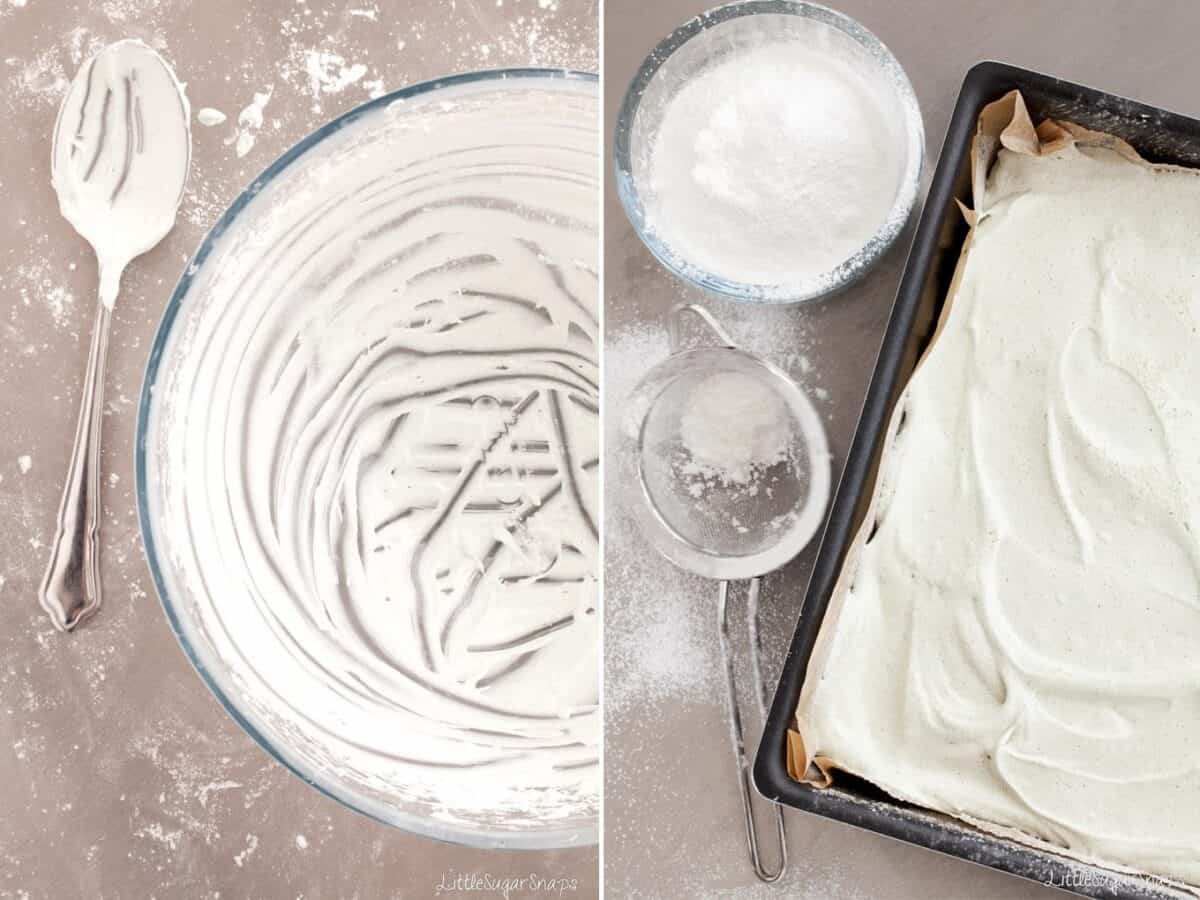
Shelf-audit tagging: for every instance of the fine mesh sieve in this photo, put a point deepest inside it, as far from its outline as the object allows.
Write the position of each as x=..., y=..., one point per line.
x=702, y=520
x=730, y=467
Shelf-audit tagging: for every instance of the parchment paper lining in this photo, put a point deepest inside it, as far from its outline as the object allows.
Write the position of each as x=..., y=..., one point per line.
x=1004, y=123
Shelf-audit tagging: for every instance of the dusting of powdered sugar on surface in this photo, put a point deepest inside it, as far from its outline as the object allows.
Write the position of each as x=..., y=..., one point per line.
x=329, y=73
x=660, y=638
x=659, y=649
x=664, y=679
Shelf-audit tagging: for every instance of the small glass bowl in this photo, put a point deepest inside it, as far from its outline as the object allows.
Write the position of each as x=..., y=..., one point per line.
x=713, y=37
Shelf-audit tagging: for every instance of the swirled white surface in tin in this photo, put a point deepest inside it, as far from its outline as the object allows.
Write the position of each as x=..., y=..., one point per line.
x=1017, y=636
x=373, y=458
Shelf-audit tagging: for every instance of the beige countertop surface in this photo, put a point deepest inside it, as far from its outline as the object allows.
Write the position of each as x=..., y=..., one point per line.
x=673, y=817
x=120, y=775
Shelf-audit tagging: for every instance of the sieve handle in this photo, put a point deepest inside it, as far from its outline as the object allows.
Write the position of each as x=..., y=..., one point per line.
x=735, y=728
x=675, y=317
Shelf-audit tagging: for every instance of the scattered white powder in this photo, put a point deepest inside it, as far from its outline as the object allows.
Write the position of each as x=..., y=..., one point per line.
x=124, y=10
x=59, y=300
x=239, y=859
x=774, y=165
x=658, y=653
x=35, y=281
x=664, y=653
x=24, y=463
x=204, y=201
x=81, y=43
x=156, y=832
x=209, y=117
x=40, y=78
x=204, y=790
x=329, y=73
x=733, y=427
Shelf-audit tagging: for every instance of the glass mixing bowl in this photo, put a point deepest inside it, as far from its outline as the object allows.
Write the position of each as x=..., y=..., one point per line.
x=182, y=584
x=715, y=37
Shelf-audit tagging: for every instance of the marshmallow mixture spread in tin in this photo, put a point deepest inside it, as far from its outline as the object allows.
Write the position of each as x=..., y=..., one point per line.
x=373, y=457
x=1017, y=629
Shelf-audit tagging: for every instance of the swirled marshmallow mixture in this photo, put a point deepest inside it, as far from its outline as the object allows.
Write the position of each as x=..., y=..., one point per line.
x=1018, y=642
x=374, y=451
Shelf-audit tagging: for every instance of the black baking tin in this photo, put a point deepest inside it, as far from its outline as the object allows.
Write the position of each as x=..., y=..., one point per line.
x=1159, y=136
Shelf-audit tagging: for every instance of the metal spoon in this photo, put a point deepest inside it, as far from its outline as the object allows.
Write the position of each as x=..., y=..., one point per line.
x=122, y=149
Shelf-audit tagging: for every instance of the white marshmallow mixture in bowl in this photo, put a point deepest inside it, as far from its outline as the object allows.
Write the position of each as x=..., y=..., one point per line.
x=368, y=459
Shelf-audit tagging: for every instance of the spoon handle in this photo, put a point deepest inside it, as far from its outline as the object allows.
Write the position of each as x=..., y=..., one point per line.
x=70, y=591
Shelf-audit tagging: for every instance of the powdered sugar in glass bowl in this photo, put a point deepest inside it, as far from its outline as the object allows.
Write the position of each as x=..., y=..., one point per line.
x=769, y=150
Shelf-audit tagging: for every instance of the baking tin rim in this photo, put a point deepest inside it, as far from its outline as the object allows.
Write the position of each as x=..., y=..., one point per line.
x=984, y=82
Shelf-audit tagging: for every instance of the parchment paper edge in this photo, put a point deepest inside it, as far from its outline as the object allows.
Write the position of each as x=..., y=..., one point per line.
x=1004, y=123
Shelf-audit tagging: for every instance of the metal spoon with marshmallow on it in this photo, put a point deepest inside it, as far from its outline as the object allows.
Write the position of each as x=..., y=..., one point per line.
x=119, y=164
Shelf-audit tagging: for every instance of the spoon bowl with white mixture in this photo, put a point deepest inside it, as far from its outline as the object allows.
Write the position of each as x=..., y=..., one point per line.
x=119, y=164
